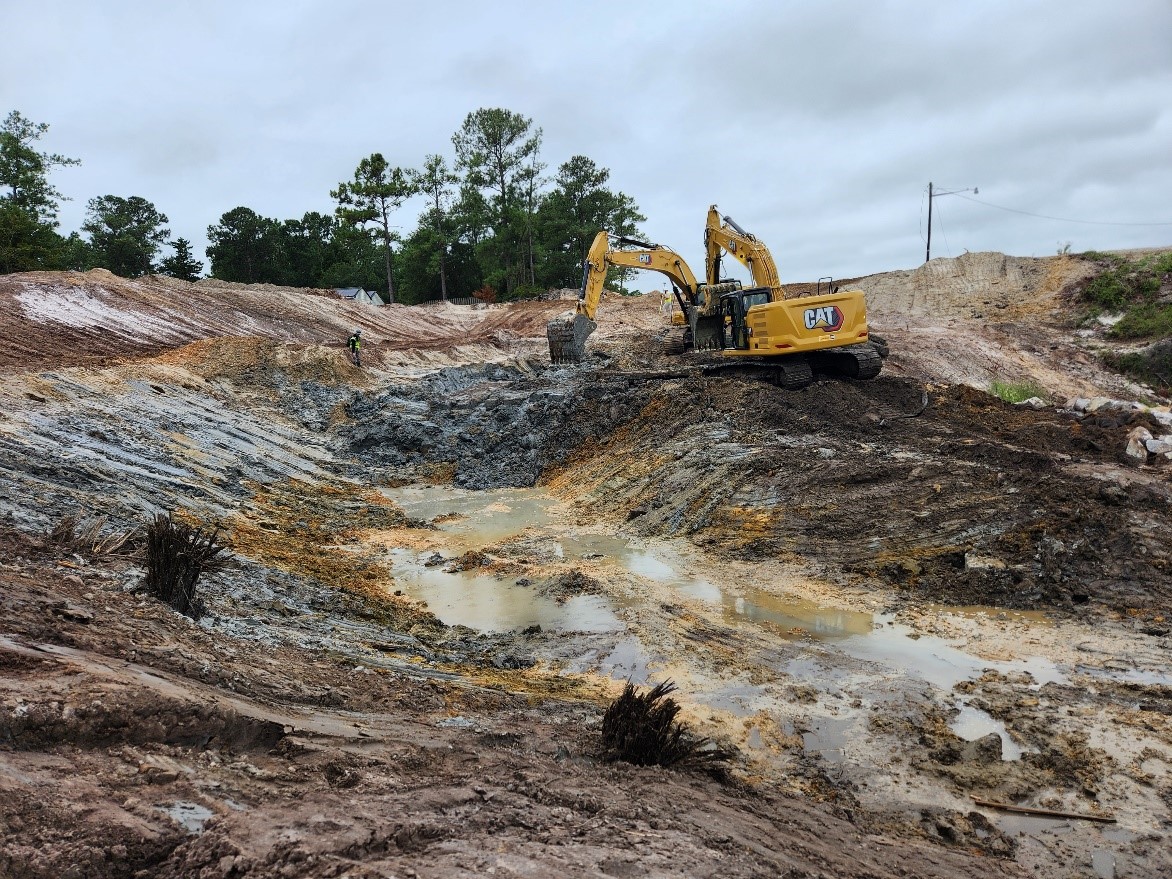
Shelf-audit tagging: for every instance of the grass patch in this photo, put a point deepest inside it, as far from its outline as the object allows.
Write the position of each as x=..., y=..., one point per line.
x=1016, y=392
x=1152, y=367
x=1146, y=321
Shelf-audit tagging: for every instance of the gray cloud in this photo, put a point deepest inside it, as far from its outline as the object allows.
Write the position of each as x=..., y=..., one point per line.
x=816, y=125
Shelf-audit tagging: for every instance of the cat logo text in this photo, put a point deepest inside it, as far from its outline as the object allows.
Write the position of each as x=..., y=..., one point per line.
x=827, y=318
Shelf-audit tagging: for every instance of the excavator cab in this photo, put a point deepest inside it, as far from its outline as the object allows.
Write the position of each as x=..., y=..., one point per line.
x=734, y=307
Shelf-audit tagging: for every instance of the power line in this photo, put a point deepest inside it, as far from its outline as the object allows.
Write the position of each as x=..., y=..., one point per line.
x=1059, y=219
x=934, y=195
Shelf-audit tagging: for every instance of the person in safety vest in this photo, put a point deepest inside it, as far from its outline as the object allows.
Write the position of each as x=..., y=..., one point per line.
x=355, y=344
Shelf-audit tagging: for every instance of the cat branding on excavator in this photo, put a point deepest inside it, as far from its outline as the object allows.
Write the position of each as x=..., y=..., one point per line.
x=757, y=330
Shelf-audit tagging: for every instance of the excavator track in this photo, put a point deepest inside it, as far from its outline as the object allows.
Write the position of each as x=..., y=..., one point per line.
x=791, y=373
x=860, y=362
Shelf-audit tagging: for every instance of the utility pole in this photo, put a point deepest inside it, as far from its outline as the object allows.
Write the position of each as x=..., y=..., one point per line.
x=928, y=252
x=932, y=195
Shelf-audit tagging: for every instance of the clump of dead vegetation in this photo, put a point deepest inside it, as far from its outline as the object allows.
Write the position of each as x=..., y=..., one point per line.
x=177, y=553
x=88, y=537
x=641, y=728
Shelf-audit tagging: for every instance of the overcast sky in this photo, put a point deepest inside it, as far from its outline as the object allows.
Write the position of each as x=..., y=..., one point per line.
x=817, y=126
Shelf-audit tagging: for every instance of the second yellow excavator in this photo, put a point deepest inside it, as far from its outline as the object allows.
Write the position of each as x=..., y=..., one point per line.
x=723, y=234
x=756, y=330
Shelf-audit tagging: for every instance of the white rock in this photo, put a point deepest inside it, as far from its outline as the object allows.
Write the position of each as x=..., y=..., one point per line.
x=1136, y=443
x=1161, y=446
x=1165, y=418
x=1097, y=403
x=1032, y=403
x=1078, y=404
x=974, y=562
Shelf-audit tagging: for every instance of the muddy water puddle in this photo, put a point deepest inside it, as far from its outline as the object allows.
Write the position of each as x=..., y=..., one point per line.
x=481, y=601
x=973, y=723
x=471, y=520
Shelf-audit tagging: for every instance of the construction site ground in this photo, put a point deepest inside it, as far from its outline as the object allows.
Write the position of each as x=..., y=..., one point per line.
x=885, y=601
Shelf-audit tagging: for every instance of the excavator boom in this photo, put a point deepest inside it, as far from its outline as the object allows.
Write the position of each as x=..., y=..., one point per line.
x=723, y=234
x=567, y=333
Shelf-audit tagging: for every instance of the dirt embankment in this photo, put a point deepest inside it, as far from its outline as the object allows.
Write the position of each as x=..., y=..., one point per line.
x=986, y=317
x=50, y=320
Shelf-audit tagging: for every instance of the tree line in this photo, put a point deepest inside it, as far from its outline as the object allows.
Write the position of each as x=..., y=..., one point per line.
x=494, y=223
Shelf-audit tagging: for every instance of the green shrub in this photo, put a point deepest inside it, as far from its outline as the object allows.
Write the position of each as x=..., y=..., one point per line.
x=1106, y=291
x=1144, y=322
x=1125, y=283
x=1152, y=367
x=1015, y=392
x=1099, y=256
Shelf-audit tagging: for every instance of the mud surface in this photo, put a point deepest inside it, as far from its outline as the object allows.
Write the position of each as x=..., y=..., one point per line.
x=882, y=599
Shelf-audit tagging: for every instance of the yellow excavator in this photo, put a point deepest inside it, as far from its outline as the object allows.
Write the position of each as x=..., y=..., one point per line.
x=723, y=234
x=756, y=330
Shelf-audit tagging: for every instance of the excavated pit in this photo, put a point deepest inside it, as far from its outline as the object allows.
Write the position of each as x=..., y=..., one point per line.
x=442, y=575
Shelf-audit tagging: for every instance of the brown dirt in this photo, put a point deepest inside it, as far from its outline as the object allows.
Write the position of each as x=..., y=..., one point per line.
x=114, y=726
x=330, y=726
x=53, y=320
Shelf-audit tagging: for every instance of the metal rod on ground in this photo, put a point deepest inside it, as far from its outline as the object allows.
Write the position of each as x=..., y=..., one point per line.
x=1047, y=813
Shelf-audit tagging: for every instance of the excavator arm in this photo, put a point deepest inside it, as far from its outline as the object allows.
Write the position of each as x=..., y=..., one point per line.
x=725, y=235
x=567, y=333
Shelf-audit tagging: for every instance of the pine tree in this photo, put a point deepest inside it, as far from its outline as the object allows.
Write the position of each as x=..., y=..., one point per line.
x=182, y=264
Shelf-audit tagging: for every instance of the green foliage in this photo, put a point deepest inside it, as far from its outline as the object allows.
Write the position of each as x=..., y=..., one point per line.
x=1129, y=286
x=527, y=291
x=1016, y=392
x=24, y=171
x=436, y=225
x=306, y=247
x=419, y=264
x=125, y=233
x=353, y=259
x=1099, y=256
x=491, y=221
x=181, y=264
x=1147, y=321
x=498, y=152
x=1111, y=290
x=246, y=247
x=28, y=202
x=369, y=201
x=1152, y=366
x=77, y=254
x=573, y=213
x=26, y=244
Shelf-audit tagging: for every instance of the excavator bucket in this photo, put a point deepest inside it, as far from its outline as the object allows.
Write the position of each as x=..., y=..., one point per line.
x=567, y=334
